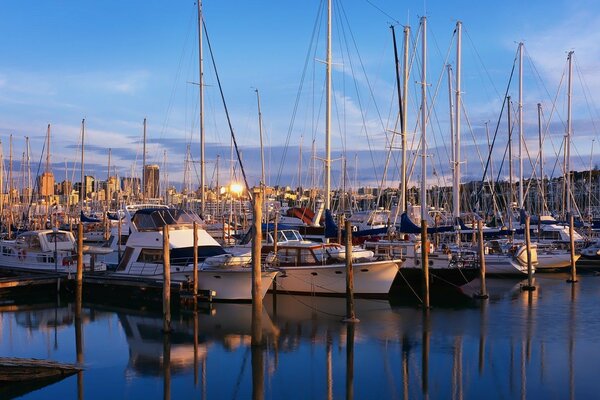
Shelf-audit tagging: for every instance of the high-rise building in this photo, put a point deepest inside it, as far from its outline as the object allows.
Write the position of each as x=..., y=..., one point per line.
x=151, y=178
x=46, y=184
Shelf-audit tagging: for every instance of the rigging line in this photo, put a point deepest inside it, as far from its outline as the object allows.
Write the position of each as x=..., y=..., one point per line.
x=533, y=67
x=316, y=29
x=383, y=12
x=177, y=76
x=465, y=30
x=237, y=151
x=487, y=164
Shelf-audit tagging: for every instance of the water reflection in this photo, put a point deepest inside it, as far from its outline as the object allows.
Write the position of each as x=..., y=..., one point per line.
x=514, y=345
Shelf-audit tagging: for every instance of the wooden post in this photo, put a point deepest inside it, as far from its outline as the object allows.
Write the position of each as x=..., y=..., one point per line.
x=483, y=292
x=573, y=277
x=425, y=262
x=341, y=223
x=223, y=218
x=257, y=342
x=195, y=261
x=275, y=233
x=529, y=285
x=120, y=233
x=166, y=281
x=256, y=263
x=350, y=312
x=79, y=253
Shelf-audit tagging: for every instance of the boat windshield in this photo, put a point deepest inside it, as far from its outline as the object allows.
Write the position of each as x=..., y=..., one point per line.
x=155, y=219
x=286, y=236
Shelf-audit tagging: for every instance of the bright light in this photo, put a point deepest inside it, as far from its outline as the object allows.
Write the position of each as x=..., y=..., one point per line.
x=236, y=188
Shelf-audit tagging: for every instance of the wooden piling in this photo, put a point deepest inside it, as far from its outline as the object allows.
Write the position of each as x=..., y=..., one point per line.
x=257, y=247
x=573, y=277
x=529, y=285
x=425, y=263
x=79, y=253
x=341, y=224
x=195, y=290
x=483, y=290
x=166, y=281
x=350, y=311
x=119, y=232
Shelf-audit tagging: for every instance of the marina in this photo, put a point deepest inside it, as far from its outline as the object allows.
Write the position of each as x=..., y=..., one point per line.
x=393, y=210
x=516, y=344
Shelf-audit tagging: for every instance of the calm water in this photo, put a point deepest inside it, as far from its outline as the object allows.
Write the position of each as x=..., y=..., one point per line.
x=543, y=345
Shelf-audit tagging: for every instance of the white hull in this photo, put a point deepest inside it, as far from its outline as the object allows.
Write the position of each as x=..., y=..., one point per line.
x=373, y=278
x=44, y=263
x=548, y=261
x=228, y=284
x=499, y=264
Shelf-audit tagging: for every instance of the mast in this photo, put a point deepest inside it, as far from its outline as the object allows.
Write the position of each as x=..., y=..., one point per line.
x=569, y=134
x=1, y=182
x=540, y=143
x=521, y=125
x=108, y=193
x=201, y=104
x=401, y=206
x=328, y=113
x=82, y=186
x=10, y=170
x=403, y=197
x=510, y=164
x=218, y=189
x=424, y=119
x=144, y=165
x=262, y=159
x=456, y=176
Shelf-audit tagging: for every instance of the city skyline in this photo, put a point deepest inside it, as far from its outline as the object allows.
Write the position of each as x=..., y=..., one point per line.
x=115, y=64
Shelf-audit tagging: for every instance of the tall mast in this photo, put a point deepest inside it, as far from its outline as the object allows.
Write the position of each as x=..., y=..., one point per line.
x=1, y=182
x=108, y=193
x=328, y=113
x=403, y=197
x=10, y=170
x=510, y=163
x=569, y=134
x=401, y=207
x=540, y=143
x=48, y=149
x=456, y=176
x=424, y=119
x=201, y=103
x=521, y=138
x=144, y=165
x=262, y=159
x=82, y=186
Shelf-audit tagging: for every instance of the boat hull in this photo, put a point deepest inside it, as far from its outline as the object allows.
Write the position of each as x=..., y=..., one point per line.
x=373, y=279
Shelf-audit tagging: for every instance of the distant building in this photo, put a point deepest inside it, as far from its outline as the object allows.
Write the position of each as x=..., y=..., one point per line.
x=152, y=180
x=46, y=184
x=131, y=186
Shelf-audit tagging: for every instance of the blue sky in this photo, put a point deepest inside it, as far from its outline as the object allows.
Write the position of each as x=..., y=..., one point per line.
x=116, y=62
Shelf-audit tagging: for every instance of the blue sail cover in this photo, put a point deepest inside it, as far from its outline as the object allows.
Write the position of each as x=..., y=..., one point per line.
x=84, y=218
x=407, y=226
x=331, y=229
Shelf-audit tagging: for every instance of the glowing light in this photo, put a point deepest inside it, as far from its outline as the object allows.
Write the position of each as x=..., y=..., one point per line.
x=236, y=188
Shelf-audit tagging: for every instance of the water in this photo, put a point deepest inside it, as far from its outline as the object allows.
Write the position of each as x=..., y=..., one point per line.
x=517, y=345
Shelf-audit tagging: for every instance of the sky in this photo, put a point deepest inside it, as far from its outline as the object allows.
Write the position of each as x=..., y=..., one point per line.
x=114, y=63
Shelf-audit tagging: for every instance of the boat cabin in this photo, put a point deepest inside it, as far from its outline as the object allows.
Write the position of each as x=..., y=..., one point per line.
x=154, y=219
x=46, y=240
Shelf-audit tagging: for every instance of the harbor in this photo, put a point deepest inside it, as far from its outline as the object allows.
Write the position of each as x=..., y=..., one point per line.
x=324, y=200
x=516, y=344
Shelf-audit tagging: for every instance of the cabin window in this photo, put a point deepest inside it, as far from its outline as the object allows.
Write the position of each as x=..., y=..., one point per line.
x=125, y=260
x=307, y=257
x=7, y=251
x=58, y=237
x=151, y=256
x=34, y=242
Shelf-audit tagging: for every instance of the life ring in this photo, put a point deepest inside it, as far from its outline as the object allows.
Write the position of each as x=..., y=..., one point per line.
x=22, y=255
